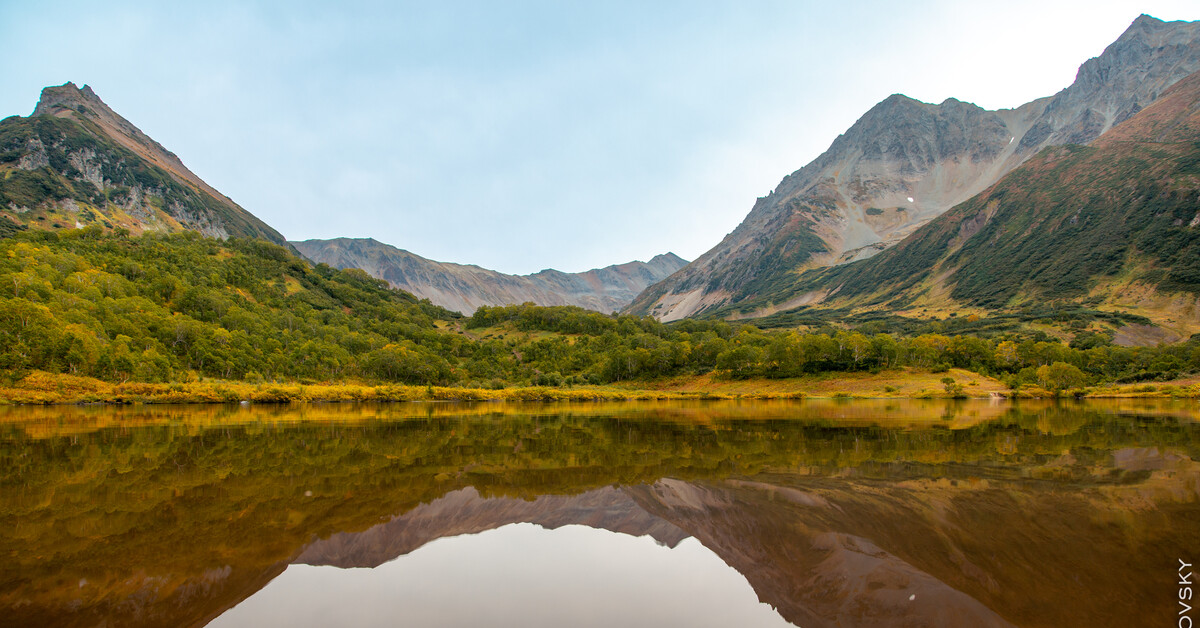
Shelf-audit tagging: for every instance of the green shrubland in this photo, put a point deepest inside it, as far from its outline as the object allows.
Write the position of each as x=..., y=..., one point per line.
x=181, y=307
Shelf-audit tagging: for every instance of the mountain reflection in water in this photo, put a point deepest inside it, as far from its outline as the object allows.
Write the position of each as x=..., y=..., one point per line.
x=867, y=513
x=518, y=575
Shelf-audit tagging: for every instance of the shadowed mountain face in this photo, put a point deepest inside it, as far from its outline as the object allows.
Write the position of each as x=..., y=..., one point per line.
x=464, y=288
x=75, y=163
x=910, y=514
x=905, y=162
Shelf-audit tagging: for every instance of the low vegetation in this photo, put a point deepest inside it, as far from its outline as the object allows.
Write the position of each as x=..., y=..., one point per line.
x=187, y=318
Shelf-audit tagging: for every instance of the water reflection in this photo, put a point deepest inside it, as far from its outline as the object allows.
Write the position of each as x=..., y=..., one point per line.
x=518, y=575
x=852, y=514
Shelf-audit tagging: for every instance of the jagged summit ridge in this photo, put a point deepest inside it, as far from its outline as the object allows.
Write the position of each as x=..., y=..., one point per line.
x=69, y=100
x=905, y=162
x=1150, y=56
x=1115, y=223
x=464, y=288
x=69, y=96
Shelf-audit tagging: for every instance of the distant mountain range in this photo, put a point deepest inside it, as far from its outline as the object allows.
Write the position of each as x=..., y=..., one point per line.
x=466, y=287
x=74, y=163
x=1088, y=195
x=903, y=164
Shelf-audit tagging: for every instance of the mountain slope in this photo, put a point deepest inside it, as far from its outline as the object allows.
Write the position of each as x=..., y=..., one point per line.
x=905, y=162
x=466, y=287
x=1116, y=223
x=74, y=162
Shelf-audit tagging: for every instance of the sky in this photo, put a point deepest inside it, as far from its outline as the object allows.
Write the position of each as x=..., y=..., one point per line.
x=521, y=136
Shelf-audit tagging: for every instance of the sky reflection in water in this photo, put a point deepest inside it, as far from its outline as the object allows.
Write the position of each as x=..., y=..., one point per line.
x=517, y=575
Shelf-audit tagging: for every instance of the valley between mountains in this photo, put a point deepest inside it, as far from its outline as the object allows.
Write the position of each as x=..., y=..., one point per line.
x=1043, y=250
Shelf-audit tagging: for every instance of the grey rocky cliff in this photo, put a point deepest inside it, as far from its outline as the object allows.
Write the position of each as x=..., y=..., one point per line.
x=1132, y=72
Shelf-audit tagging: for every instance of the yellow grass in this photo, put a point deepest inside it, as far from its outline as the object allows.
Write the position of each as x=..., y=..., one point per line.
x=508, y=331
x=292, y=285
x=896, y=383
x=40, y=387
x=47, y=388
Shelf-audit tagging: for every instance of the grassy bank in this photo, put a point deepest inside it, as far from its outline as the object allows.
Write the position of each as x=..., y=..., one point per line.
x=47, y=388
x=899, y=383
x=39, y=387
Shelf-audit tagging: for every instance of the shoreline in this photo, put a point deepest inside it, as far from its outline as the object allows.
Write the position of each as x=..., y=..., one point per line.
x=42, y=388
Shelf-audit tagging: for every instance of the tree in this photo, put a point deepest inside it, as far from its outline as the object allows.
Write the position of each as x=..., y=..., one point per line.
x=1060, y=376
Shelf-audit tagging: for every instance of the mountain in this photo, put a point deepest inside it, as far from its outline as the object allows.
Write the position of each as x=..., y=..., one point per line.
x=466, y=287
x=904, y=163
x=74, y=162
x=1115, y=223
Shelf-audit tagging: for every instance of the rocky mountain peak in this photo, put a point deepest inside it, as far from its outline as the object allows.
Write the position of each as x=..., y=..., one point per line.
x=894, y=101
x=890, y=108
x=1144, y=24
x=109, y=173
x=1150, y=56
x=908, y=132
x=56, y=98
x=67, y=100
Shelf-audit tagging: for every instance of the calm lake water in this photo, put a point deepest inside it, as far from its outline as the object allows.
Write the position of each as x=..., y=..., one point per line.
x=813, y=513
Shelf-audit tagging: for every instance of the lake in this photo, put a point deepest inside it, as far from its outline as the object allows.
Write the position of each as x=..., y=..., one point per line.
x=749, y=513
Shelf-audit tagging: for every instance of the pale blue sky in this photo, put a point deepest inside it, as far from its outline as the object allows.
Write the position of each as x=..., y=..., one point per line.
x=527, y=135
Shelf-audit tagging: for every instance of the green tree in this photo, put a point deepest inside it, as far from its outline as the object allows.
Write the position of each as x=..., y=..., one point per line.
x=1060, y=376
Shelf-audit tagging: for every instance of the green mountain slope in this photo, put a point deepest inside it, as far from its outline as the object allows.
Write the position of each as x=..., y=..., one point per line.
x=75, y=163
x=1100, y=224
x=156, y=307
